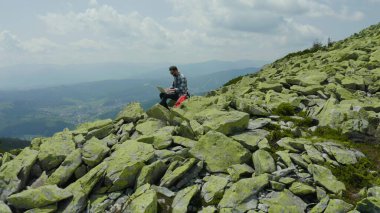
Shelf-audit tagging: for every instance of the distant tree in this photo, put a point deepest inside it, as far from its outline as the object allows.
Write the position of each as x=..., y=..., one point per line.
x=317, y=45
x=329, y=42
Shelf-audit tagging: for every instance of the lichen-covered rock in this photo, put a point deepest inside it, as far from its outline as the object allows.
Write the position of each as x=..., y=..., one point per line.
x=300, y=189
x=125, y=163
x=4, y=208
x=250, y=106
x=94, y=151
x=343, y=156
x=237, y=171
x=15, y=173
x=336, y=205
x=369, y=204
x=284, y=200
x=325, y=178
x=131, y=113
x=66, y=169
x=374, y=192
x=285, y=157
x=39, y=197
x=249, y=140
x=226, y=122
x=211, y=149
x=213, y=190
x=149, y=127
x=144, y=200
x=314, y=154
x=170, y=178
x=46, y=209
x=182, y=199
x=263, y=162
x=81, y=188
x=55, y=150
x=99, y=203
x=151, y=173
x=241, y=196
x=184, y=141
x=321, y=206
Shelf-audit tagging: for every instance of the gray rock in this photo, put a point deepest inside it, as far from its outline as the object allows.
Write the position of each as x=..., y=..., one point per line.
x=263, y=162
x=182, y=199
x=243, y=195
x=213, y=190
x=336, y=205
x=15, y=173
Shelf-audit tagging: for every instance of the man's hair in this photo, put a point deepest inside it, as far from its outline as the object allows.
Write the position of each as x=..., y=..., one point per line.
x=173, y=68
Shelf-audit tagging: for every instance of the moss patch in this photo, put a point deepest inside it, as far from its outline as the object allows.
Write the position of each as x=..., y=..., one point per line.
x=284, y=109
x=355, y=177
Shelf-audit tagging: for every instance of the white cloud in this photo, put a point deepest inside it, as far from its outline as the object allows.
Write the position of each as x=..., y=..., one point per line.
x=93, y=3
x=88, y=44
x=9, y=42
x=40, y=45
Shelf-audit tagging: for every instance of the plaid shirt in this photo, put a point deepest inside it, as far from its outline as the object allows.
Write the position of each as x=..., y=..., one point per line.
x=180, y=84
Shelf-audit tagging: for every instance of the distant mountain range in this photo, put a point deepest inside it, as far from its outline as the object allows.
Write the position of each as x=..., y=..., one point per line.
x=32, y=76
x=41, y=112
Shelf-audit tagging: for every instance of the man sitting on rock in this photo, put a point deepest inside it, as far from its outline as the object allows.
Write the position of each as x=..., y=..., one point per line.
x=178, y=89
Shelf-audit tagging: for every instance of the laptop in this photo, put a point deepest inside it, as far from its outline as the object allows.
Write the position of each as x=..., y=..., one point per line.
x=161, y=89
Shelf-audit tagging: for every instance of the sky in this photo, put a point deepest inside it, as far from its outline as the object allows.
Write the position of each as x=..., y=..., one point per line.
x=183, y=31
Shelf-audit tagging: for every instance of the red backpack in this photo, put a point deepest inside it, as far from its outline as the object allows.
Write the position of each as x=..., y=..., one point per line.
x=181, y=99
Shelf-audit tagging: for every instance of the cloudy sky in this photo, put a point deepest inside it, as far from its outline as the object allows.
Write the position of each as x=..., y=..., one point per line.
x=183, y=31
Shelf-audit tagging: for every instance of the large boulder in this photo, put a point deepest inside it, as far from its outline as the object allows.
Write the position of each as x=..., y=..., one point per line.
x=336, y=205
x=369, y=204
x=151, y=173
x=99, y=129
x=213, y=190
x=242, y=196
x=4, y=207
x=285, y=200
x=94, y=151
x=125, y=163
x=55, y=150
x=250, y=106
x=263, y=162
x=144, y=200
x=131, y=113
x=81, y=188
x=61, y=175
x=182, y=199
x=15, y=173
x=150, y=126
x=39, y=197
x=325, y=178
x=251, y=139
x=226, y=122
x=170, y=178
x=212, y=147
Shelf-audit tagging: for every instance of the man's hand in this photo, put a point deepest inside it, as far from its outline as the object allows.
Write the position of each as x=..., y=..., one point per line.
x=170, y=90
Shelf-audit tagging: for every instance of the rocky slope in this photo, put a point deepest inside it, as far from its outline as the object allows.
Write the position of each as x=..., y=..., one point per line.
x=288, y=139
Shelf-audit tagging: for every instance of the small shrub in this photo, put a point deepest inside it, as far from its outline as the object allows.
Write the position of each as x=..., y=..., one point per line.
x=276, y=135
x=349, y=56
x=327, y=132
x=284, y=109
x=305, y=122
x=355, y=177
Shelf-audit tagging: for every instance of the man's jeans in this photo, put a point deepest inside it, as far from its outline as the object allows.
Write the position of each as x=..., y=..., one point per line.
x=164, y=97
